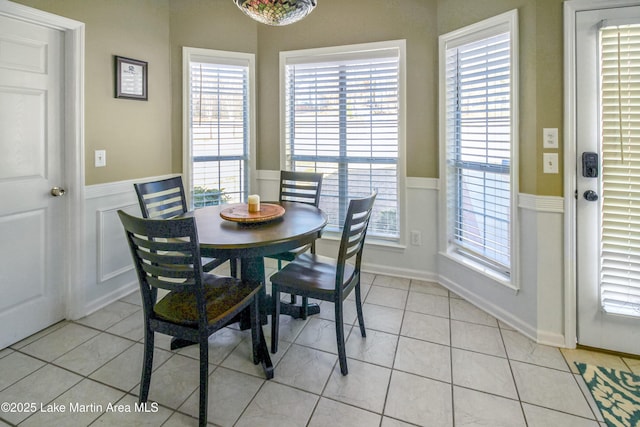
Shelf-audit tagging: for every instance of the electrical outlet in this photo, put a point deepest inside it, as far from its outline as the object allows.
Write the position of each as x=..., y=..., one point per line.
x=416, y=238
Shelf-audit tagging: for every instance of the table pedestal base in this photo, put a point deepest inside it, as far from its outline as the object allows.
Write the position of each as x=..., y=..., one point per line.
x=177, y=343
x=294, y=310
x=297, y=311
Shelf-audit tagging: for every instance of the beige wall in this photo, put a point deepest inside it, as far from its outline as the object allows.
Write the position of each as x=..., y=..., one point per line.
x=541, y=98
x=136, y=134
x=209, y=24
x=145, y=138
x=338, y=22
x=550, y=87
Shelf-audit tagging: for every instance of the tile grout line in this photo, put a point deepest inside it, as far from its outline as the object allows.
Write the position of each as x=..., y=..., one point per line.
x=395, y=353
x=82, y=376
x=453, y=409
x=87, y=376
x=513, y=377
x=398, y=335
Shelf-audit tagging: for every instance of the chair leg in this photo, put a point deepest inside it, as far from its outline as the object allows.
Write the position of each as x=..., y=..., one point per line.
x=255, y=333
x=359, y=310
x=342, y=352
x=305, y=307
x=275, y=317
x=147, y=365
x=204, y=380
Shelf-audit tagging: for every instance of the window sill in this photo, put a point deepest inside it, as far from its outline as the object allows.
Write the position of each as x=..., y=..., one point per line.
x=491, y=274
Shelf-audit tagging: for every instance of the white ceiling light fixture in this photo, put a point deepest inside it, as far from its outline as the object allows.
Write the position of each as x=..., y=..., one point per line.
x=276, y=12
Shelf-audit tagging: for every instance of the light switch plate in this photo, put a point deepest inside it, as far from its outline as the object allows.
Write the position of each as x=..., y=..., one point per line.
x=550, y=161
x=100, y=158
x=550, y=138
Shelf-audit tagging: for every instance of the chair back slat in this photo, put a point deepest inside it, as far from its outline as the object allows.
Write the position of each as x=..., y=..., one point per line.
x=183, y=286
x=164, y=207
x=352, y=248
x=168, y=264
x=353, y=236
x=161, y=199
x=164, y=244
x=166, y=258
x=301, y=187
x=168, y=272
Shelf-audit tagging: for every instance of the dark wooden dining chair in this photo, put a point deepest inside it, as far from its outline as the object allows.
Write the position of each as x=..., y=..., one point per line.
x=299, y=187
x=327, y=279
x=166, y=255
x=166, y=199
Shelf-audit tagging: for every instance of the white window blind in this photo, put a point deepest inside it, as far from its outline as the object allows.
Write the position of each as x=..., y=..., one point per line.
x=620, y=178
x=219, y=119
x=342, y=119
x=478, y=138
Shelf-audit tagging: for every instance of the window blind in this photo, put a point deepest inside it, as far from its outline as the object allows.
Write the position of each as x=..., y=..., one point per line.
x=620, y=230
x=478, y=121
x=342, y=120
x=219, y=132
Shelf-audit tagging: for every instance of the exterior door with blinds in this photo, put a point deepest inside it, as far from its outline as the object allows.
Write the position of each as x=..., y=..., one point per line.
x=608, y=198
x=218, y=103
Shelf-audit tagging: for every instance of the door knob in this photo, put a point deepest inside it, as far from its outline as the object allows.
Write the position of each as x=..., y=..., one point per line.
x=590, y=195
x=57, y=191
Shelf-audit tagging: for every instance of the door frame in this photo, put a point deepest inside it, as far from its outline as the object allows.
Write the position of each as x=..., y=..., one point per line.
x=73, y=143
x=571, y=8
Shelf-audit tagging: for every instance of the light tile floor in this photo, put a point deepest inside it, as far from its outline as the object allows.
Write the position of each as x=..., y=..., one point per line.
x=429, y=359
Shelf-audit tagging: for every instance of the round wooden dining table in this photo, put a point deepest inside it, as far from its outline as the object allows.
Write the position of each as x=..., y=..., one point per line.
x=250, y=242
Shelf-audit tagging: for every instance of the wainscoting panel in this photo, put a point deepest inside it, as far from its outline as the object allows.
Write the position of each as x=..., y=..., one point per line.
x=114, y=258
x=109, y=273
x=536, y=309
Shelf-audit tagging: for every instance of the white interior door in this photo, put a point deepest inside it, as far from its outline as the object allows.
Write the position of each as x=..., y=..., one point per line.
x=32, y=263
x=608, y=257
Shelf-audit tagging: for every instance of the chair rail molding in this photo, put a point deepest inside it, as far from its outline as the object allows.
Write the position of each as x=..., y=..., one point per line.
x=541, y=203
x=417, y=183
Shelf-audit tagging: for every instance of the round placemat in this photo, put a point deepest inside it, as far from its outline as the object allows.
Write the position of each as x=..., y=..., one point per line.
x=240, y=213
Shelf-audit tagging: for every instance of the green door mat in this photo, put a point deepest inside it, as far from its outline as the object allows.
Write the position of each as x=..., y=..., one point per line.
x=617, y=394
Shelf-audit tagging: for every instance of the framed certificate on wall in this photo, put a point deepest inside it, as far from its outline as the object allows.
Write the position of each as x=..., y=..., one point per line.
x=131, y=78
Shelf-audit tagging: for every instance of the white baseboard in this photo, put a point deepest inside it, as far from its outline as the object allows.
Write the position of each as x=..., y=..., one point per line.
x=551, y=338
x=399, y=272
x=109, y=298
x=492, y=309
